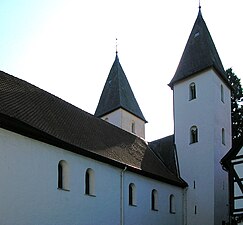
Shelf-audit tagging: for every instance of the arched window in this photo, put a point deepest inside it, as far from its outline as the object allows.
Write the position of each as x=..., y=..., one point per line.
x=63, y=176
x=133, y=127
x=172, y=204
x=154, y=200
x=193, y=134
x=223, y=136
x=89, y=182
x=222, y=93
x=132, y=194
x=192, y=91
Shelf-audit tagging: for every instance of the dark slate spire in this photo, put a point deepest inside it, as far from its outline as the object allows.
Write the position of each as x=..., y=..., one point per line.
x=200, y=53
x=117, y=93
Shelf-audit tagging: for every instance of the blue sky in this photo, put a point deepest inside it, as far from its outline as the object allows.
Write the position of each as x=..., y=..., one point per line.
x=67, y=47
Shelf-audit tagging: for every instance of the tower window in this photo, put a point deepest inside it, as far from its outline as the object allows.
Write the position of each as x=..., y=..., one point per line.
x=133, y=127
x=132, y=194
x=172, y=204
x=192, y=91
x=193, y=135
x=222, y=93
x=223, y=136
x=154, y=200
x=89, y=182
x=62, y=175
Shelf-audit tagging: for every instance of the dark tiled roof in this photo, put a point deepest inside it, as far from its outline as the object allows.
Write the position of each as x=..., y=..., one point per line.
x=28, y=110
x=165, y=149
x=117, y=93
x=199, y=54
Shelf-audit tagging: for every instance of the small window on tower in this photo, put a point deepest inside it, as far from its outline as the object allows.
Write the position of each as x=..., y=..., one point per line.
x=133, y=127
x=222, y=93
x=192, y=91
x=193, y=135
x=223, y=136
x=196, y=34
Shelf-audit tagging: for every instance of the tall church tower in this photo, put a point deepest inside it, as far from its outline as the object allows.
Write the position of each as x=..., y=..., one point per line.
x=118, y=105
x=202, y=118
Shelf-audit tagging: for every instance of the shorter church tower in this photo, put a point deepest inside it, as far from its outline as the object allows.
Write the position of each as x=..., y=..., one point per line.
x=118, y=105
x=202, y=124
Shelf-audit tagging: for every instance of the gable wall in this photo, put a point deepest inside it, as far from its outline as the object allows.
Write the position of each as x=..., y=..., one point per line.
x=123, y=119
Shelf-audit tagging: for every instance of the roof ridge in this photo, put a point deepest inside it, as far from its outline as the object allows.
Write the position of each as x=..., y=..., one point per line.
x=119, y=77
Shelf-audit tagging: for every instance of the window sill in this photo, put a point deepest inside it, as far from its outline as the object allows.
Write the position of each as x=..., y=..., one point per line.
x=132, y=205
x=90, y=195
x=62, y=189
x=155, y=210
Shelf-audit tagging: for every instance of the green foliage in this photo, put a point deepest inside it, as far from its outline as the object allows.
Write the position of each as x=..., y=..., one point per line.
x=236, y=106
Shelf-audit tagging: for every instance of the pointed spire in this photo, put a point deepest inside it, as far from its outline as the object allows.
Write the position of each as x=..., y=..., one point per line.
x=200, y=53
x=117, y=93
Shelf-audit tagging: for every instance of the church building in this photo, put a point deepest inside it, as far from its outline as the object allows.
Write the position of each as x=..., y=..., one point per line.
x=61, y=165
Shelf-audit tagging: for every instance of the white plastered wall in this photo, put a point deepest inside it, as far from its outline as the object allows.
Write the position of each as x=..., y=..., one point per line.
x=207, y=194
x=123, y=119
x=29, y=193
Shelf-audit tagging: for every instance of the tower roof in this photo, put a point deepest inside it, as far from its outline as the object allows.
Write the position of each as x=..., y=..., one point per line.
x=117, y=93
x=199, y=54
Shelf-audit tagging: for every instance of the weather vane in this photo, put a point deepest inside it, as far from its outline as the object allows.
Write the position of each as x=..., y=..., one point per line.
x=116, y=46
x=199, y=5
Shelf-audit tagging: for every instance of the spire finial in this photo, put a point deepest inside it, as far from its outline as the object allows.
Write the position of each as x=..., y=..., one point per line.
x=116, y=47
x=199, y=7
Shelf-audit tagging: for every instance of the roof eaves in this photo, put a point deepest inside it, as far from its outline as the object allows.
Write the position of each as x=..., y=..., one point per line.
x=218, y=72
x=21, y=128
x=124, y=108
